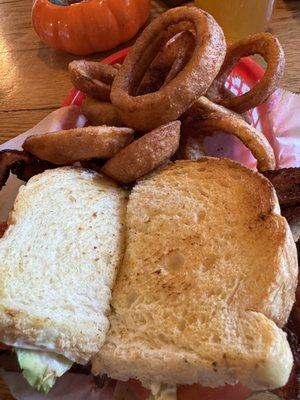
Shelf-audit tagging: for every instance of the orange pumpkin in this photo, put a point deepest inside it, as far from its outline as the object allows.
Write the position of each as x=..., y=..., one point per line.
x=88, y=26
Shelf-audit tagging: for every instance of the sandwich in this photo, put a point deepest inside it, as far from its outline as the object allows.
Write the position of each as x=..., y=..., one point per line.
x=207, y=282
x=58, y=261
x=199, y=267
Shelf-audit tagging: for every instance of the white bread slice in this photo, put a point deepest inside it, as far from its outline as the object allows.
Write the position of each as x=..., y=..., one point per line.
x=58, y=260
x=209, y=273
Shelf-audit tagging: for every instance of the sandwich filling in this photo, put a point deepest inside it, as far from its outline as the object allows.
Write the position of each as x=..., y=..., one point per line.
x=41, y=369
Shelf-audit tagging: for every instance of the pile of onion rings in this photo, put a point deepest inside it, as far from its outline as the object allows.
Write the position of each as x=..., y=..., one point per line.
x=176, y=71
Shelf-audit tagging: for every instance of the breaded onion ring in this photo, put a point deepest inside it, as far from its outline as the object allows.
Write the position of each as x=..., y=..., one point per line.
x=100, y=112
x=169, y=61
x=271, y=50
x=191, y=143
x=151, y=110
x=66, y=147
x=185, y=51
x=253, y=139
x=145, y=154
x=203, y=107
x=93, y=78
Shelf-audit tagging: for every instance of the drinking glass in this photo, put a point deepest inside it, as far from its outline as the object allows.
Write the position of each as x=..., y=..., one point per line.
x=239, y=18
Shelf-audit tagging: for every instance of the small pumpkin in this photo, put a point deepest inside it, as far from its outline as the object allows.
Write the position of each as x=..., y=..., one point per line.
x=88, y=26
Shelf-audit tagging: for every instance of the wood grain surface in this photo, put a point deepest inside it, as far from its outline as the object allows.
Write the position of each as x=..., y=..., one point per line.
x=34, y=79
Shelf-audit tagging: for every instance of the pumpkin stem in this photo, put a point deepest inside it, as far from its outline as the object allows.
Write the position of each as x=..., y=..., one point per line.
x=64, y=2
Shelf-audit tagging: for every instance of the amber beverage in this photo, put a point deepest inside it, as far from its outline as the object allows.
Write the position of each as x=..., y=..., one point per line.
x=239, y=18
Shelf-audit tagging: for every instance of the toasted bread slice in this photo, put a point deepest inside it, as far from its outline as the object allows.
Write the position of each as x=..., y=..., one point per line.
x=58, y=260
x=208, y=277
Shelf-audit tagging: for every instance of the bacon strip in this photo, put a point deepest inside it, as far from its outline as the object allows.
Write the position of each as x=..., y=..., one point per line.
x=3, y=227
x=287, y=184
x=21, y=164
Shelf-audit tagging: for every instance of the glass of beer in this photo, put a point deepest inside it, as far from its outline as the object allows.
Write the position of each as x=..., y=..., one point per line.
x=239, y=18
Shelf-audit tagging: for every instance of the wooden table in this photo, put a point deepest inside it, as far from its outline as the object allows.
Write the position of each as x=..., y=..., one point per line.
x=34, y=78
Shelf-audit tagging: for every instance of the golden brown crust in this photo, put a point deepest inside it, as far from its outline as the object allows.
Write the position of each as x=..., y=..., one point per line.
x=169, y=61
x=93, y=78
x=145, y=154
x=271, y=50
x=100, y=112
x=191, y=143
x=69, y=146
x=152, y=110
x=204, y=107
x=253, y=139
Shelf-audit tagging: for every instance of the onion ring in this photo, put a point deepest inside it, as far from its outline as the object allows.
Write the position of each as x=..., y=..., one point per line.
x=100, y=112
x=93, y=78
x=271, y=50
x=145, y=154
x=191, y=146
x=148, y=111
x=253, y=139
x=203, y=107
x=67, y=147
x=169, y=61
x=185, y=51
